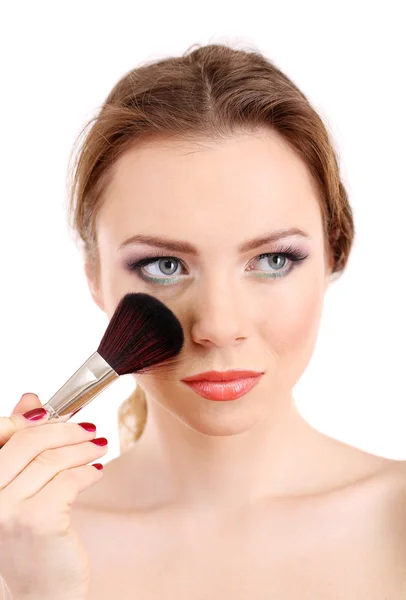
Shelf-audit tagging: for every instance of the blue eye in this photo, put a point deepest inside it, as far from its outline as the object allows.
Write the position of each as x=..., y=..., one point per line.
x=166, y=266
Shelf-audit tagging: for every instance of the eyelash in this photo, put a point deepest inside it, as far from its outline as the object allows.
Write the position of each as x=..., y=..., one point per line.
x=292, y=253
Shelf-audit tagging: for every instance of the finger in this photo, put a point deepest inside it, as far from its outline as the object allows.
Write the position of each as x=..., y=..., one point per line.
x=42, y=470
x=9, y=426
x=28, y=443
x=49, y=510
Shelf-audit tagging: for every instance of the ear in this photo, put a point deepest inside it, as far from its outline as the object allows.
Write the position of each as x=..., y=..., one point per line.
x=94, y=285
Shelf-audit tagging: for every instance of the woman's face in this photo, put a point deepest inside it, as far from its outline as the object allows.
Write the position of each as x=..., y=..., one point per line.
x=238, y=309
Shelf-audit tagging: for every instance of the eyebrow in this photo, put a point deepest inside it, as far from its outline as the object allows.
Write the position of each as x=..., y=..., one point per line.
x=187, y=248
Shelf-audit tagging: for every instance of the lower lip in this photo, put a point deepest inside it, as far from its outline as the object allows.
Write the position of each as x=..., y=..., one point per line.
x=223, y=390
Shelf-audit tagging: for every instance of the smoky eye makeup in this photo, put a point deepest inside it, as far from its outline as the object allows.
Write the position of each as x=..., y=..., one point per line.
x=291, y=255
x=137, y=265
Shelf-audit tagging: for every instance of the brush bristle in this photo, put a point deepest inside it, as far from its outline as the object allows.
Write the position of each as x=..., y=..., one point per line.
x=143, y=333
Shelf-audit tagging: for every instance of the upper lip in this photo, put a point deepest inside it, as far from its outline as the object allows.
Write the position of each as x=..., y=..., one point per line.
x=222, y=375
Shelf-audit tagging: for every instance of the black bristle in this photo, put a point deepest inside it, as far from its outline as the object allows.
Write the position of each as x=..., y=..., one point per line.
x=143, y=333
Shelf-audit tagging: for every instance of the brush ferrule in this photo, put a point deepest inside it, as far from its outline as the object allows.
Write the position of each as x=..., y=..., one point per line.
x=84, y=385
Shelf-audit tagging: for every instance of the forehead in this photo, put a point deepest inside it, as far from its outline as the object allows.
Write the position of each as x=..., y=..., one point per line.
x=247, y=184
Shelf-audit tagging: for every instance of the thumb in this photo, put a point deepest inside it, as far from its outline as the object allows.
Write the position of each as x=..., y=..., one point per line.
x=9, y=425
x=26, y=402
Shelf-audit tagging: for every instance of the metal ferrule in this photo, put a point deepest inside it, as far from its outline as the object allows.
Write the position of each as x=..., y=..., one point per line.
x=88, y=381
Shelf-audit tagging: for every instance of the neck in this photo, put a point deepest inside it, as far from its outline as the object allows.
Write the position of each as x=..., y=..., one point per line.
x=200, y=469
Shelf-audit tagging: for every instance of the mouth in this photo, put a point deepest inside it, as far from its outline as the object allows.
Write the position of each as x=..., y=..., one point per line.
x=223, y=375
x=225, y=386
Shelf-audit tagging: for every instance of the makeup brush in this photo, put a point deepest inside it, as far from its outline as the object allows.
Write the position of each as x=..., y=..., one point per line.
x=142, y=335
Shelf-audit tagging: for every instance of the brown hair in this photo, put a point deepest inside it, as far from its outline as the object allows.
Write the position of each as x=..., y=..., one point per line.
x=211, y=92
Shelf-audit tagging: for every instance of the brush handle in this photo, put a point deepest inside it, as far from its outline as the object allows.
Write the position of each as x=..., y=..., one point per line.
x=88, y=381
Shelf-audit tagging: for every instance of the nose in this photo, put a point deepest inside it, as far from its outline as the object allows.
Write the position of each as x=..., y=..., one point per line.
x=220, y=317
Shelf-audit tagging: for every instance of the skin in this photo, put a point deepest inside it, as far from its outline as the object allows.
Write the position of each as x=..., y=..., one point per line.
x=250, y=474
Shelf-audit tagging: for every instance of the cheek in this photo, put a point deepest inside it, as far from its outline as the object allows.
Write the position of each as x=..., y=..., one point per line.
x=296, y=318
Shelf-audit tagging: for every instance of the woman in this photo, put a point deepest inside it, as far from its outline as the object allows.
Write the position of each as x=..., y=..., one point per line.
x=210, y=182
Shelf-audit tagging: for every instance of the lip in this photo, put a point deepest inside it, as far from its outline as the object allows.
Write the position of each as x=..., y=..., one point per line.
x=220, y=376
x=224, y=390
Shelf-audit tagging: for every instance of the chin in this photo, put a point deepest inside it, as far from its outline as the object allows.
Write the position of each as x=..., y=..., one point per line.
x=223, y=420
x=212, y=418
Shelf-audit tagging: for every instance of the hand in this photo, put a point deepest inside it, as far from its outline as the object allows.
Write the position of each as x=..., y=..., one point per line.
x=43, y=468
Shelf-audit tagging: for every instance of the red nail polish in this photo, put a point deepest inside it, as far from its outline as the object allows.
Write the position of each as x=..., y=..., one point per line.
x=36, y=414
x=98, y=466
x=100, y=441
x=88, y=426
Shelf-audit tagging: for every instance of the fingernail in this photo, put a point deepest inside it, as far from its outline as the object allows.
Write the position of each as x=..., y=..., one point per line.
x=98, y=466
x=100, y=441
x=36, y=414
x=88, y=426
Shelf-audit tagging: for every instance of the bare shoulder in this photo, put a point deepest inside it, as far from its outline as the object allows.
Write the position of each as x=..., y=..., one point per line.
x=379, y=497
x=396, y=469
x=389, y=493
x=389, y=475
x=392, y=478
x=383, y=477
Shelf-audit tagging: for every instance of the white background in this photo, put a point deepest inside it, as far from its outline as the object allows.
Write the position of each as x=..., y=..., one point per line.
x=59, y=61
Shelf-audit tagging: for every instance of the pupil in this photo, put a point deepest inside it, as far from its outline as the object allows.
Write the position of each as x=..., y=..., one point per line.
x=276, y=260
x=167, y=265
